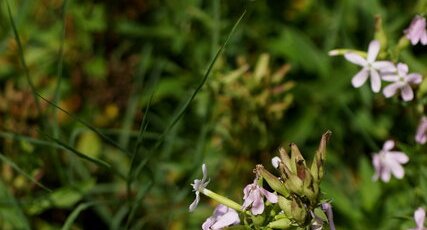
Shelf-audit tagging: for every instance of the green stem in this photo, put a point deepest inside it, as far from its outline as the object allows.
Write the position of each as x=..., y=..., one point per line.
x=223, y=200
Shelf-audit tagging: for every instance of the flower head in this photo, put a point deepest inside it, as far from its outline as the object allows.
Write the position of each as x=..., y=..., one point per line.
x=416, y=32
x=421, y=137
x=371, y=68
x=419, y=217
x=253, y=196
x=223, y=216
x=401, y=80
x=388, y=162
x=198, y=186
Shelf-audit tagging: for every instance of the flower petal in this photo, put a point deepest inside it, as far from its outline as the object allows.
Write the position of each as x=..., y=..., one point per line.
x=360, y=78
x=419, y=217
x=375, y=81
x=391, y=78
x=229, y=218
x=385, y=175
x=258, y=206
x=396, y=169
x=407, y=93
x=388, y=145
x=414, y=78
x=205, y=172
x=390, y=90
x=384, y=66
x=402, y=69
x=269, y=195
x=377, y=165
x=400, y=157
x=195, y=202
x=355, y=59
x=374, y=48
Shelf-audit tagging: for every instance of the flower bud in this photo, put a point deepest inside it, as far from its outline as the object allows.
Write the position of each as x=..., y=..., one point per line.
x=272, y=180
x=283, y=223
x=293, y=208
x=317, y=164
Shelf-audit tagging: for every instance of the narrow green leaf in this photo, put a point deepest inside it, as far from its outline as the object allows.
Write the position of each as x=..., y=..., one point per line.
x=79, y=154
x=73, y=216
x=17, y=168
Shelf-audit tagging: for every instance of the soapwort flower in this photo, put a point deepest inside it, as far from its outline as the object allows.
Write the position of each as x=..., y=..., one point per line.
x=388, y=162
x=401, y=81
x=198, y=186
x=416, y=32
x=254, y=196
x=371, y=68
x=419, y=217
x=421, y=137
x=223, y=216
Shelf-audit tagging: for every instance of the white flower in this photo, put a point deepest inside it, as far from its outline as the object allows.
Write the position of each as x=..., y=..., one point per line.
x=419, y=217
x=401, y=81
x=223, y=216
x=371, y=68
x=388, y=162
x=198, y=186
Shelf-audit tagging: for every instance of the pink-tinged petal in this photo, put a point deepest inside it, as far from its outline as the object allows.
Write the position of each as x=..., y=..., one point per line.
x=407, y=93
x=384, y=66
x=374, y=48
x=208, y=223
x=247, y=190
x=360, y=78
x=402, y=68
x=385, y=175
x=391, y=89
x=396, y=169
x=424, y=38
x=388, y=145
x=419, y=217
x=258, y=206
x=375, y=81
x=391, y=78
x=270, y=196
x=227, y=219
x=355, y=59
x=414, y=78
x=420, y=136
x=377, y=165
x=400, y=157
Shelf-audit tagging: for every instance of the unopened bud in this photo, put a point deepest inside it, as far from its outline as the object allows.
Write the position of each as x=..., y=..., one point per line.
x=272, y=180
x=317, y=164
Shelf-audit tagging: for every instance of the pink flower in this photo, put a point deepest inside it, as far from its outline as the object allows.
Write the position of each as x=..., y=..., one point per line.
x=417, y=31
x=253, y=196
x=388, y=162
x=421, y=137
x=223, y=216
x=419, y=217
x=401, y=81
x=370, y=68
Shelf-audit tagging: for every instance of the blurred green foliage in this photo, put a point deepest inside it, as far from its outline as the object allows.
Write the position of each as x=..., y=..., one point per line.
x=124, y=66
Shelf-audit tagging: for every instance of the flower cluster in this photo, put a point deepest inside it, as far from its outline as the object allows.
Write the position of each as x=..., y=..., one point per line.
x=377, y=71
x=293, y=202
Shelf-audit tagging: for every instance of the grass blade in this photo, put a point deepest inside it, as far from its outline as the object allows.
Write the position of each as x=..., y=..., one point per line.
x=21, y=171
x=77, y=153
x=181, y=111
x=73, y=216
